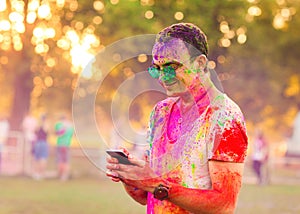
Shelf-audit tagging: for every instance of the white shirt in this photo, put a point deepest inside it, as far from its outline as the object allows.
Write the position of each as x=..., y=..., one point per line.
x=29, y=126
x=4, y=129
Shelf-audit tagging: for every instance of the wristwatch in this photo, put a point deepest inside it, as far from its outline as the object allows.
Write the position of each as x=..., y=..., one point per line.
x=161, y=192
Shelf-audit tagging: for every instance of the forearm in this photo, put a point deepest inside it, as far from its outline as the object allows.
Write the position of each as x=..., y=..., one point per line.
x=138, y=195
x=203, y=201
x=221, y=198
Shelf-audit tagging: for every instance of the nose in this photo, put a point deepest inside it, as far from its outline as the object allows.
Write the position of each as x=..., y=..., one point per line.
x=166, y=78
x=163, y=76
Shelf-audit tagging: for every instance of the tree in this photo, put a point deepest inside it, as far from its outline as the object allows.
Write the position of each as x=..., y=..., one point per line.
x=248, y=41
x=34, y=36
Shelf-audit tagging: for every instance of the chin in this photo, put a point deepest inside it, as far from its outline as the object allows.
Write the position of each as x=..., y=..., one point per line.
x=170, y=94
x=174, y=93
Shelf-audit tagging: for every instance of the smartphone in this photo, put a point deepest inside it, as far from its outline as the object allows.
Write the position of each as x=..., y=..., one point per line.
x=120, y=155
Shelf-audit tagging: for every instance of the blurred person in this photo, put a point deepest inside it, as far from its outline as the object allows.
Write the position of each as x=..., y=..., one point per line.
x=64, y=132
x=29, y=126
x=41, y=149
x=260, y=157
x=293, y=146
x=197, y=135
x=4, y=132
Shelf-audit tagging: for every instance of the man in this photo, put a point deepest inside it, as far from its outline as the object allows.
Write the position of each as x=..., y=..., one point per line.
x=29, y=127
x=293, y=144
x=4, y=132
x=41, y=149
x=260, y=156
x=64, y=131
x=197, y=136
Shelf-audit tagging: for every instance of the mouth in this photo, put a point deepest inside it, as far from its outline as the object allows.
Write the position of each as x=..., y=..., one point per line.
x=169, y=84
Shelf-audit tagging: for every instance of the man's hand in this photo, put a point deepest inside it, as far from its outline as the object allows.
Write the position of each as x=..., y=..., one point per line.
x=138, y=175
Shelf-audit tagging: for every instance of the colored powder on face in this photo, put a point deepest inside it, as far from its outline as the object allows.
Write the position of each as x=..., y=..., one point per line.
x=174, y=49
x=187, y=71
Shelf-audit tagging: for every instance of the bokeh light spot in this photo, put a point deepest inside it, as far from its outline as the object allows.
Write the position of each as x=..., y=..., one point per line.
x=142, y=58
x=178, y=15
x=149, y=14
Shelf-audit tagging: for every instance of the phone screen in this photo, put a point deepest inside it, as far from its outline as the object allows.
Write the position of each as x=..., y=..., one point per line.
x=120, y=155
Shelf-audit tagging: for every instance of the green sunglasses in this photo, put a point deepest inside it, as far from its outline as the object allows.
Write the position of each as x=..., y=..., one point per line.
x=168, y=70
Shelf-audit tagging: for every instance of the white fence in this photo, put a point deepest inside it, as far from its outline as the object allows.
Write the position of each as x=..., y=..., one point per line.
x=15, y=155
x=17, y=158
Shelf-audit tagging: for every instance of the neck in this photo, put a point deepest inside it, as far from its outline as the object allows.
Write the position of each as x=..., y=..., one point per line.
x=200, y=96
x=192, y=99
x=187, y=99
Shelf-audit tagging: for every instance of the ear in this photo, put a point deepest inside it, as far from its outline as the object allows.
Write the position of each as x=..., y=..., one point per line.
x=200, y=62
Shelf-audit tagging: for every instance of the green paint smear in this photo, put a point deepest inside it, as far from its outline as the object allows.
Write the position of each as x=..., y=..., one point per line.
x=193, y=168
x=184, y=184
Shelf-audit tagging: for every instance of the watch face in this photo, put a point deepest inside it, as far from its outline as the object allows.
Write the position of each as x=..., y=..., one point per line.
x=161, y=192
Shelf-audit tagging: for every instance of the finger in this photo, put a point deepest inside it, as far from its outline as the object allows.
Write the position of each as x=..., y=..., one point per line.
x=111, y=160
x=123, y=168
x=121, y=176
x=124, y=150
x=113, y=166
x=127, y=174
x=112, y=174
x=114, y=179
x=136, y=161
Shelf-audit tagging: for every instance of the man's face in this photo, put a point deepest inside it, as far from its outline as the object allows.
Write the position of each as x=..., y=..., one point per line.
x=172, y=66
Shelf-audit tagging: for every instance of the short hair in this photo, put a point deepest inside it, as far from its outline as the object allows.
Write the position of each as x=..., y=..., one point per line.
x=192, y=36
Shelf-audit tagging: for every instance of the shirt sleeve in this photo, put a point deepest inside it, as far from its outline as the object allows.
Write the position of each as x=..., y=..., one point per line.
x=231, y=144
x=150, y=130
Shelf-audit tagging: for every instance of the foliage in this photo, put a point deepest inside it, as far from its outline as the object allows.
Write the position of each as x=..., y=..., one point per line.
x=260, y=74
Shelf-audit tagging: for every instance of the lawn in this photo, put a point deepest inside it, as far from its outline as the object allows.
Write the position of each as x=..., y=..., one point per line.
x=90, y=192
x=21, y=195
x=271, y=199
x=77, y=196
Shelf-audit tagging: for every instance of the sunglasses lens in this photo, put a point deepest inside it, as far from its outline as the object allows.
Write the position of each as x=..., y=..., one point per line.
x=169, y=73
x=154, y=72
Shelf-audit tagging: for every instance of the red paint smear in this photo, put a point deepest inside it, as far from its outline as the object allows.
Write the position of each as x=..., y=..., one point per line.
x=222, y=198
x=232, y=146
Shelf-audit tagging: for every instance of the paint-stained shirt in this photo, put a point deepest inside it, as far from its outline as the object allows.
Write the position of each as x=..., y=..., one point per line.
x=181, y=143
x=64, y=132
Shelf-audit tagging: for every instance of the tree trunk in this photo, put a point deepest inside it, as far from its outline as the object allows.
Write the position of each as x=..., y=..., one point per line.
x=21, y=100
x=22, y=87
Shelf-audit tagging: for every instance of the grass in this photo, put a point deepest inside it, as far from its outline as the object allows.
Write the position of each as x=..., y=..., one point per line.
x=90, y=192
x=26, y=196
x=21, y=195
x=271, y=199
